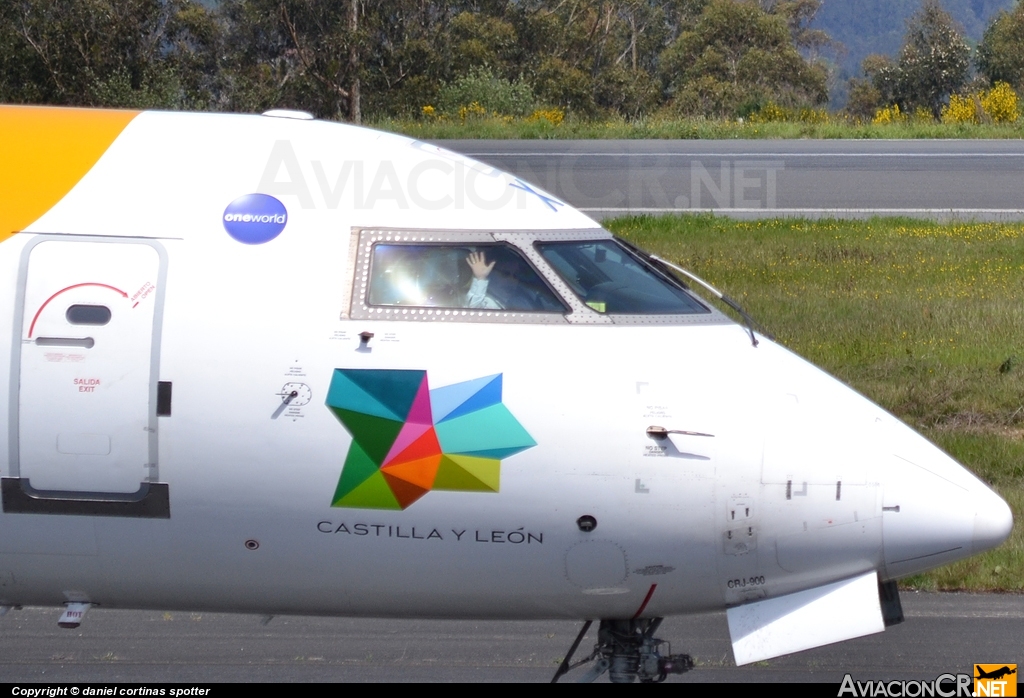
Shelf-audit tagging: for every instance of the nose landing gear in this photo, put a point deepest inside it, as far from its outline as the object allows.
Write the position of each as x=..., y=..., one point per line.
x=627, y=650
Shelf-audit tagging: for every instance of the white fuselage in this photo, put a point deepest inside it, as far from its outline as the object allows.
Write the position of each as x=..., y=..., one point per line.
x=789, y=480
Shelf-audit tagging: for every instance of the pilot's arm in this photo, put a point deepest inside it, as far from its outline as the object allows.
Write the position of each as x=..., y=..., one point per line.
x=477, y=296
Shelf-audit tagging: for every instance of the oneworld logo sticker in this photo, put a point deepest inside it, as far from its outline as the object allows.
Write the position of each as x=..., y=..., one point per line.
x=255, y=218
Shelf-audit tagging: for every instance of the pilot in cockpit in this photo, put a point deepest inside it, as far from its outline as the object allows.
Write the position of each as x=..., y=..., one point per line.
x=476, y=296
x=484, y=277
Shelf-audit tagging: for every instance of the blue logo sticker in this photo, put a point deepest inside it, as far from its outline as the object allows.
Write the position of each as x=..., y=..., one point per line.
x=255, y=218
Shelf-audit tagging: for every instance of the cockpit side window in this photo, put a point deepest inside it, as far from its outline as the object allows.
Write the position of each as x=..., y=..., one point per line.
x=610, y=279
x=482, y=277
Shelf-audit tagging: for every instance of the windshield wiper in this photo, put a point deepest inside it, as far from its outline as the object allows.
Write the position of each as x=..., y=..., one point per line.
x=662, y=266
x=718, y=294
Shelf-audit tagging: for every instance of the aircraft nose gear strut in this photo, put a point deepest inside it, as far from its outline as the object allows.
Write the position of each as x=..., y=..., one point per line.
x=627, y=650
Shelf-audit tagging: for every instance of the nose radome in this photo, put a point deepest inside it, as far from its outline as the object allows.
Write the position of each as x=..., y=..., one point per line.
x=934, y=511
x=993, y=521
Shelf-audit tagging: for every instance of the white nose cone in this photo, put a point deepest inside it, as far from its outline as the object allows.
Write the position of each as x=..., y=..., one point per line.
x=992, y=522
x=933, y=510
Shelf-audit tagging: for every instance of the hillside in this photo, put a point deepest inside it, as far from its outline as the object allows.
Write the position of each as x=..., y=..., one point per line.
x=876, y=26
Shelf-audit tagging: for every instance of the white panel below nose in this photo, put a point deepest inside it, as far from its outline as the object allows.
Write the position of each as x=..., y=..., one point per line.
x=806, y=619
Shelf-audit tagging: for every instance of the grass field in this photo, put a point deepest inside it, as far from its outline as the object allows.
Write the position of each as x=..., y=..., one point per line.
x=924, y=318
x=502, y=128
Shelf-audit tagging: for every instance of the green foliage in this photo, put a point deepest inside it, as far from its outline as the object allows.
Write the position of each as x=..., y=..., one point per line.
x=559, y=82
x=129, y=53
x=1001, y=51
x=116, y=90
x=772, y=113
x=483, y=41
x=699, y=127
x=495, y=95
x=623, y=91
x=932, y=64
x=865, y=27
x=589, y=57
x=632, y=60
x=738, y=55
x=863, y=100
x=290, y=53
x=799, y=16
x=935, y=59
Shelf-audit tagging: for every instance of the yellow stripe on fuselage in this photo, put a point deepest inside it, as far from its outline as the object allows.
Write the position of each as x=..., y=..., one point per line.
x=44, y=152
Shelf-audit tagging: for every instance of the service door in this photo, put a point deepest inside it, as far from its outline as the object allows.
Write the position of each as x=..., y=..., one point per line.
x=88, y=364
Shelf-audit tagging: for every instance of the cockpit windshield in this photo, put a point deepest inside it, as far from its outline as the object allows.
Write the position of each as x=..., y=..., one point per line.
x=611, y=279
x=483, y=277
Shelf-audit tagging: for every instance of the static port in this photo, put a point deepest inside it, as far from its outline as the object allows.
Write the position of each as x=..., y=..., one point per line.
x=587, y=523
x=252, y=544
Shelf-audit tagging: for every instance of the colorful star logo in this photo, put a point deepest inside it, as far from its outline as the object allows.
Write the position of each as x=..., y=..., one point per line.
x=408, y=439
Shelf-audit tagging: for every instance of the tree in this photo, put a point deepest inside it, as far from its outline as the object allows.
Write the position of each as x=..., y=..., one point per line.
x=123, y=53
x=302, y=54
x=799, y=14
x=482, y=40
x=882, y=74
x=735, y=59
x=491, y=93
x=864, y=99
x=341, y=58
x=932, y=64
x=587, y=56
x=1001, y=51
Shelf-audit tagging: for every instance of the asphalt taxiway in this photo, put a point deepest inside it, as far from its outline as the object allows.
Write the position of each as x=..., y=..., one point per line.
x=943, y=633
x=974, y=179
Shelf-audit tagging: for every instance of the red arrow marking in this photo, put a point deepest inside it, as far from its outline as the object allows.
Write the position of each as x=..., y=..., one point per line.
x=32, y=327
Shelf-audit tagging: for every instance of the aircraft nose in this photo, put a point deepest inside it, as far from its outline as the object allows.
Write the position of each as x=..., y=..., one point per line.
x=934, y=511
x=993, y=521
